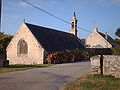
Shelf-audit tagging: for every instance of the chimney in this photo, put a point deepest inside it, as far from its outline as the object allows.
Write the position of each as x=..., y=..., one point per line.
x=95, y=29
x=106, y=35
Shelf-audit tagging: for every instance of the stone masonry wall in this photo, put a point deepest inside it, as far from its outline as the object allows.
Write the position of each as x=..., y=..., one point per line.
x=96, y=39
x=35, y=51
x=111, y=65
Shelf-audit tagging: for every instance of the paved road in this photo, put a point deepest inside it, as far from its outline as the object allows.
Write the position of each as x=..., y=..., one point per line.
x=48, y=78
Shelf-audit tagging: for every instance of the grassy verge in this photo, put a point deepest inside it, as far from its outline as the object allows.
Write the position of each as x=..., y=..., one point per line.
x=18, y=67
x=94, y=82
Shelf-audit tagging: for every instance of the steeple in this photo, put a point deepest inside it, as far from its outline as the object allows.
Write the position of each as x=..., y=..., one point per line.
x=73, y=25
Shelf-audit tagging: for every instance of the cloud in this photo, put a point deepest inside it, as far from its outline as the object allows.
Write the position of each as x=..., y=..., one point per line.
x=52, y=3
x=15, y=17
x=22, y=4
x=34, y=2
x=105, y=2
x=116, y=2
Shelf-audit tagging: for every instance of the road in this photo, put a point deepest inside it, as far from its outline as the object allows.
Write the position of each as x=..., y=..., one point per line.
x=47, y=78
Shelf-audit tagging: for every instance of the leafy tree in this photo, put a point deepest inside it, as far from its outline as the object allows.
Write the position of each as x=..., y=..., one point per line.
x=117, y=33
x=4, y=41
x=117, y=40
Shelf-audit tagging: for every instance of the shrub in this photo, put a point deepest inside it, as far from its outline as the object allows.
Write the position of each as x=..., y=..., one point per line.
x=59, y=57
x=65, y=56
x=116, y=50
x=117, y=40
x=4, y=41
x=80, y=54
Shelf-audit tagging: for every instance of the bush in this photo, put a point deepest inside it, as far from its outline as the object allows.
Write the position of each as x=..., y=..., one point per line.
x=116, y=50
x=4, y=41
x=117, y=40
x=59, y=57
x=80, y=54
x=66, y=56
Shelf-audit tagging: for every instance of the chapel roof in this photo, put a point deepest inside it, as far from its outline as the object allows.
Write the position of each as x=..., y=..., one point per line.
x=108, y=38
x=54, y=40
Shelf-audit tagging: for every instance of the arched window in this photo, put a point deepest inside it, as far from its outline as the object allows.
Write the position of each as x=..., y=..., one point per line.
x=72, y=25
x=22, y=47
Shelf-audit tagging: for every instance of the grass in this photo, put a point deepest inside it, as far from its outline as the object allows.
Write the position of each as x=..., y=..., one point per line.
x=18, y=67
x=94, y=82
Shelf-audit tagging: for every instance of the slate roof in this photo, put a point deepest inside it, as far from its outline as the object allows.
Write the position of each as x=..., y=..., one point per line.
x=54, y=40
x=109, y=39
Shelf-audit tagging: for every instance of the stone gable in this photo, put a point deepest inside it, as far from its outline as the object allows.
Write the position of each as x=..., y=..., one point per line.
x=95, y=39
x=35, y=53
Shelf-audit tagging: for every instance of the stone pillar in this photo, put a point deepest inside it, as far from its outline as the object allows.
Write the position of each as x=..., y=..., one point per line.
x=95, y=64
x=106, y=64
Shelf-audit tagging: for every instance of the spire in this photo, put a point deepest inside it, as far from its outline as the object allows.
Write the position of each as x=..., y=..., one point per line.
x=74, y=15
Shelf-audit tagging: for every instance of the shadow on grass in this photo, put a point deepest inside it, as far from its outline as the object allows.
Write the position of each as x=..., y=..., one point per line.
x=94, y=82
x=30, y=66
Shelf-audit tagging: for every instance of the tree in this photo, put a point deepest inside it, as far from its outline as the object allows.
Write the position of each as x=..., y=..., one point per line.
x=117, y=40
x=117, y=33
x=4, y=41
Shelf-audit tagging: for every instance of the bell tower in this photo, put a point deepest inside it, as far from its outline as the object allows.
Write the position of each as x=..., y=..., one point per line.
x=73, y=25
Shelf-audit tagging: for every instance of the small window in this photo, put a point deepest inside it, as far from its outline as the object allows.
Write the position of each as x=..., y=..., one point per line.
x=22, y=47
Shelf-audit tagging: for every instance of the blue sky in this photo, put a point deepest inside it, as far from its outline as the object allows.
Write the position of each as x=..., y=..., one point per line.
x=105, y=13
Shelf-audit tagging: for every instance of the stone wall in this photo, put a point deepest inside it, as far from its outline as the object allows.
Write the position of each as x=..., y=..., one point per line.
x=96, y=39
x=111, y=65
x=35, y=53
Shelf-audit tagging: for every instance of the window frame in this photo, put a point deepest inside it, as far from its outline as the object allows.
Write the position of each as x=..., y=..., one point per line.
x=22, y=48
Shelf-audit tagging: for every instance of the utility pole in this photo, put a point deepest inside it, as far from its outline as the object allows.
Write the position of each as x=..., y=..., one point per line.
x=0, y=14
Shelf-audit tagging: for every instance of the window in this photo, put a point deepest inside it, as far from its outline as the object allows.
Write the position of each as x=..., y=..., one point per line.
x=72, y=25
x=22, y=47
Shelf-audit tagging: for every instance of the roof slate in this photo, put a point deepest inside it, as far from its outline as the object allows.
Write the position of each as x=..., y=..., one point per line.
x=109, y=39
x=54, y=40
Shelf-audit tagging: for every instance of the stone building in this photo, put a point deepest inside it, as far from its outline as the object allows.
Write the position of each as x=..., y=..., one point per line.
x=32, y=43
x=99, y=40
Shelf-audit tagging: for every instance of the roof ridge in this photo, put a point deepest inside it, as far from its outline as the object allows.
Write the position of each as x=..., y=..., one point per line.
x=54, y=40
x=49, y=28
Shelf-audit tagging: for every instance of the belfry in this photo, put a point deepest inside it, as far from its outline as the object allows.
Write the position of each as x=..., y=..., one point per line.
x=73, y=25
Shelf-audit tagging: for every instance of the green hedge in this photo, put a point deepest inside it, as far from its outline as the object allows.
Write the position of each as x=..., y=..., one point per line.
x=66, y=56
x=116, y=50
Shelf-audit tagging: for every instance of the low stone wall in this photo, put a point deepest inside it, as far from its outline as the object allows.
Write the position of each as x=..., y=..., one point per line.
x=107, y=65
x=4, y=63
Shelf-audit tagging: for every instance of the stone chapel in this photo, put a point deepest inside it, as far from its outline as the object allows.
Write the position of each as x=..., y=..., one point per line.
x=32, y=43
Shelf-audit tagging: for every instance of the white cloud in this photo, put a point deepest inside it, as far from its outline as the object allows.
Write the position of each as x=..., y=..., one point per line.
x=40, y=3
x=22, y=4
x=15, y=17
x=112, y=2
x=116, y=2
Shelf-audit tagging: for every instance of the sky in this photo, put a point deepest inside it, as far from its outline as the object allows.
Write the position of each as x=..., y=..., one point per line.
x=103, y=14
